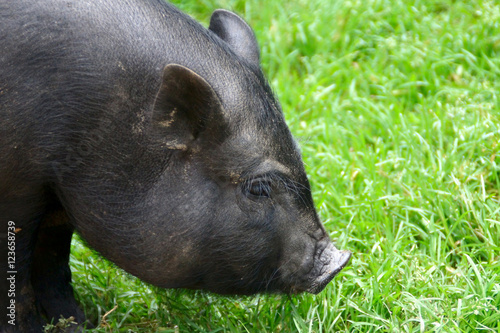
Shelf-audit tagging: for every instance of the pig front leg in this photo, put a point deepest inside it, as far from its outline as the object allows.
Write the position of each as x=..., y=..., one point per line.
x=17, y=294
x=51, y=275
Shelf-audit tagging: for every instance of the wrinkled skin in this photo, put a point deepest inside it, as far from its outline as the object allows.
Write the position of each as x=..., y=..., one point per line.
x=160, y=143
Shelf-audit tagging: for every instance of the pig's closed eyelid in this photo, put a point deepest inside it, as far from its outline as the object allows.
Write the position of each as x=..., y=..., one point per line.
x=259, y=187
x=272, y=177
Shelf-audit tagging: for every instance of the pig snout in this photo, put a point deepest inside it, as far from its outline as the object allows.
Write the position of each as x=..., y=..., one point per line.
x=329, y=262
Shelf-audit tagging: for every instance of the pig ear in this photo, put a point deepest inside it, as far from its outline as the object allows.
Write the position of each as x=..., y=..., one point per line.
x=237, y=33
x=187, y=109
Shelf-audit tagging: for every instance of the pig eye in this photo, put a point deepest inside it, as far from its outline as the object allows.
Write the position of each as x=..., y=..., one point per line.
x=258, y=188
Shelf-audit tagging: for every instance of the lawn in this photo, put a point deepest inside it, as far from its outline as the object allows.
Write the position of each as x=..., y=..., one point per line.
x=396, y=107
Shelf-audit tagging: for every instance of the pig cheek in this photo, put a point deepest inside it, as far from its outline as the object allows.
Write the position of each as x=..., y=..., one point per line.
x=243, y=247
x=298, y=247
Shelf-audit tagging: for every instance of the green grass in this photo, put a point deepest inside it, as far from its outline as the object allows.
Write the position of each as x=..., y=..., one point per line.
x=396, y=107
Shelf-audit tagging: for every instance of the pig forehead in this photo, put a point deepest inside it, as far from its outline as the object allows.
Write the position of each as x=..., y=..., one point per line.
x=248, y=96
x=257, y=124
x=268, y=149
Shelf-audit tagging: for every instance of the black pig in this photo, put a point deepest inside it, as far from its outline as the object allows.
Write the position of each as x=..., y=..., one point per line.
x=160, y=142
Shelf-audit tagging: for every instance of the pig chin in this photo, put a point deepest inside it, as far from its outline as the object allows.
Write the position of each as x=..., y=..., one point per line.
x=328, y=262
